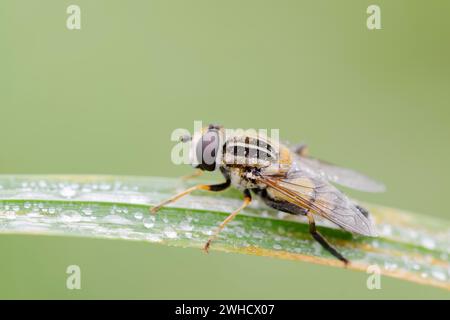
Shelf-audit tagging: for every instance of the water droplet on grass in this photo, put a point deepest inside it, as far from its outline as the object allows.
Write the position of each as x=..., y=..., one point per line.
x=186, y=226
x=139, y=215
x=170, y=234
x=281, y=215
x=116, y=219
x=428, y=243
x=153, y=238
x=68, y=192
x=390, y=266
x=439, y=275
x=208, y=232
x=416, y=266
x=105, y=186
x=149, y=222
x=87, y=211
x=386, y=230
x=258, y=235
x=10, y=215
x=69, y=216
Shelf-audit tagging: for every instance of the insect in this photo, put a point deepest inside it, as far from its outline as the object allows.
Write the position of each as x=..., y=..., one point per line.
x=286, y=179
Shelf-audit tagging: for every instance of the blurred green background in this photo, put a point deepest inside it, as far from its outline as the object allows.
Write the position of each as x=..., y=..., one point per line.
x=105, y=99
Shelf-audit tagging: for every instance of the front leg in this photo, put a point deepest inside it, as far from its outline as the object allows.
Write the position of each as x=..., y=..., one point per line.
x=301, y=149
x=195, y=174
x=247, y=200
x=213, y=187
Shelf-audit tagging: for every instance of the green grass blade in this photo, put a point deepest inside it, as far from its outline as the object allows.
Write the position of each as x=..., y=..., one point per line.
x=410, y=247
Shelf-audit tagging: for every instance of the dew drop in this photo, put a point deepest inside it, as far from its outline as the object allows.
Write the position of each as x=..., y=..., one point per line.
x=10, y=215
x=297, y=250
x=390, y=266
x=416, y=266
x=153, y=238
x=210, y=233
x=386, y=230
x=86, y=188
x=186, y=226
x=70, y=216
x=149, y=222
x=67, y=192
x=428, y=243
x=281, y=230
x=138, y=215
x=116, y=219
x=42, y=184
x=281, y=215
x=413, y=234
x=265, y=214
x=375, y=244
x=105, y=186
x=87, y=211
x=170, y=234
x=439, y=275
x=258, y=235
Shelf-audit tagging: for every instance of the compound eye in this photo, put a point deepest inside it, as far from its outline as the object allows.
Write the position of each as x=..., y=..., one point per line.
x=207, y=150
x=214, y=127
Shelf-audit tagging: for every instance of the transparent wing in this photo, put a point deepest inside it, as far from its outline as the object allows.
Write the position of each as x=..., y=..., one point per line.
x=321, y=198
x=343, y=176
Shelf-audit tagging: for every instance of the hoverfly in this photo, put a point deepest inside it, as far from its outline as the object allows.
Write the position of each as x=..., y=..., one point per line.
x=286, y=179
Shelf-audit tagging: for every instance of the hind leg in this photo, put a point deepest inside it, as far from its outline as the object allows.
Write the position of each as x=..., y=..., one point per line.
x=294, y=209
x=323, y=242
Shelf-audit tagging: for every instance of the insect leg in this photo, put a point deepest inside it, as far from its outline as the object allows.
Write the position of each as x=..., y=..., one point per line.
x=301, y=150
x=195, y=174
x=247, y=200
x=319, y=238
x=213, y=187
